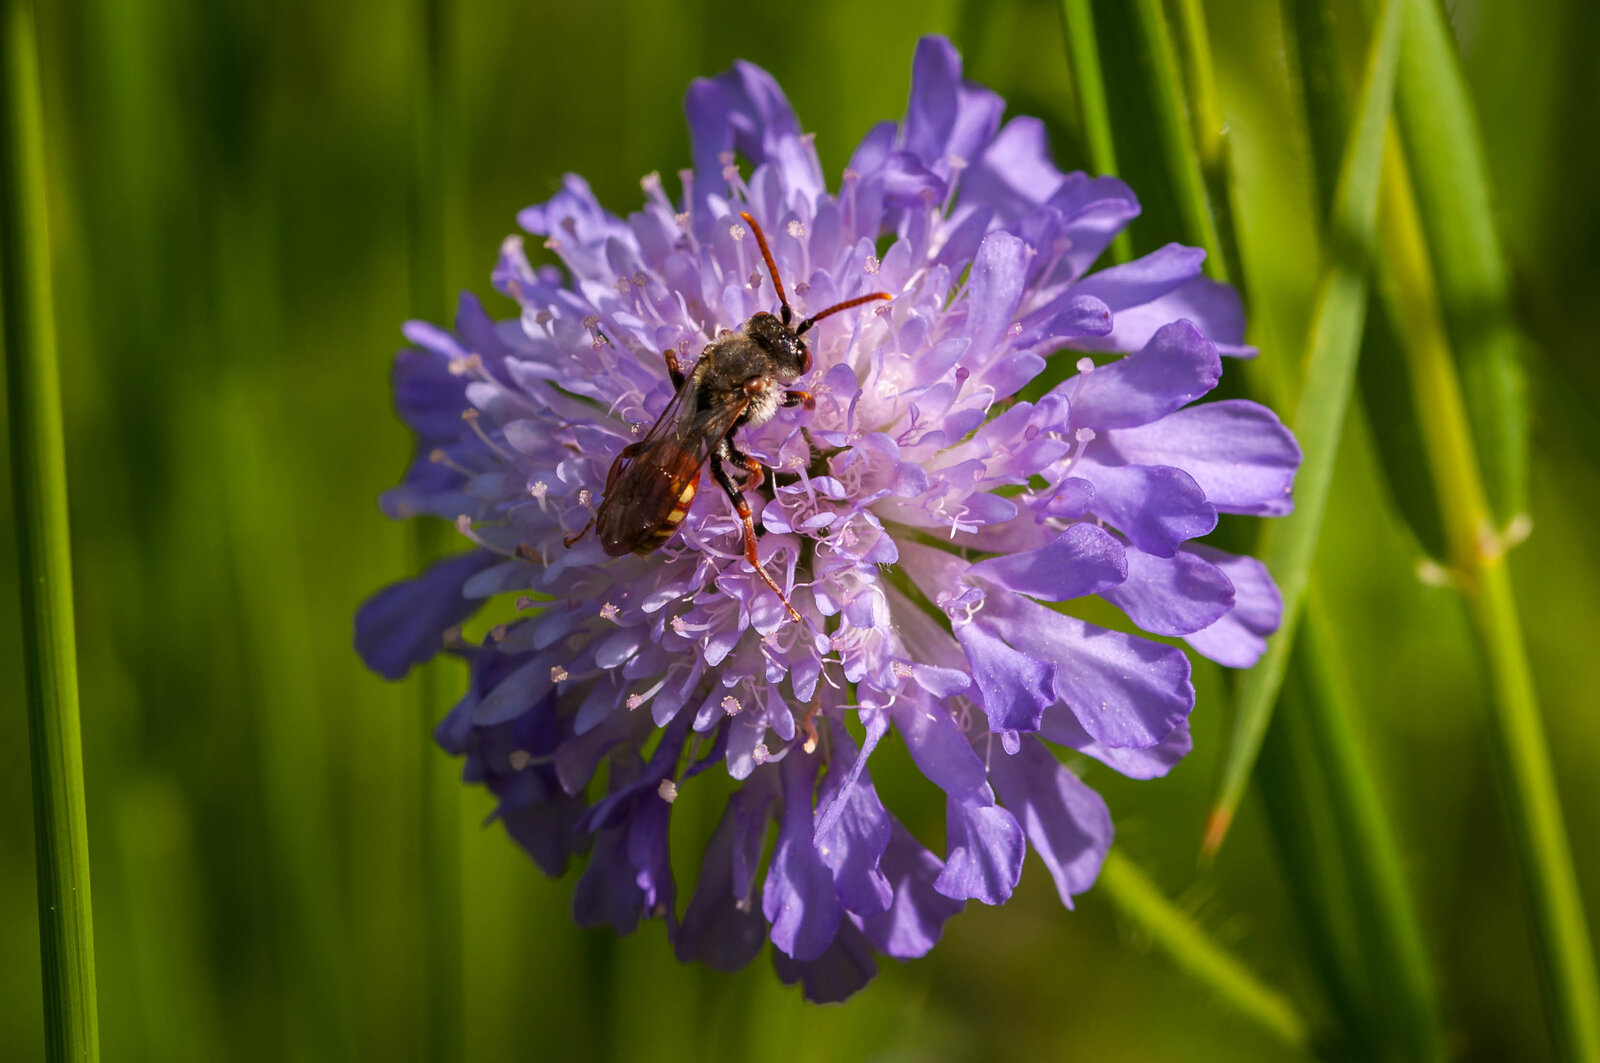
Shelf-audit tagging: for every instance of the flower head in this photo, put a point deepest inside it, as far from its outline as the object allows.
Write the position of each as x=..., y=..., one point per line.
x=949, y=485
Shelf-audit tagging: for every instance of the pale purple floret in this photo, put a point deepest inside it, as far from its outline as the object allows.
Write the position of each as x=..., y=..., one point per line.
x=924, y=519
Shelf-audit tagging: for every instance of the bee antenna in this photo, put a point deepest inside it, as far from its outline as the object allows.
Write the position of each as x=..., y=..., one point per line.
x=836, y=307
x=772, y=267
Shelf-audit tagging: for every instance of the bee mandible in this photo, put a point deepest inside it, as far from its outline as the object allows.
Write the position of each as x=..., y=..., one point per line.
x=739, y=379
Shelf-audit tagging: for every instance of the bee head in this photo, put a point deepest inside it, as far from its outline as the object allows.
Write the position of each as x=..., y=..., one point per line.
x=782, y=343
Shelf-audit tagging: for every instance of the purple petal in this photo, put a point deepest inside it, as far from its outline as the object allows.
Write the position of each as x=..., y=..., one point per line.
x=744, y=111
x=1175, y=595
x=859, y=831
x=1061, y=726
x=1016, y=688
x=1157, y=507
x=1213, y=307
x=1126, y=691
x=799, y=900
x=1095, y=210
x=994, y=289
x=946, y=116
x=917, y=915
x=1238, y=639
x=985, y=850
x=1143, y=279
x=836, y=975
x=1177, y=366
x=404, y=624
x=1067, y=822
x=1082, y=560
x=1240, y=454
x=1014, y=175
x=722, y=928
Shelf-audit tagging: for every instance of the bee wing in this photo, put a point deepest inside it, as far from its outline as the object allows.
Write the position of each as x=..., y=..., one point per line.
x=660, y=476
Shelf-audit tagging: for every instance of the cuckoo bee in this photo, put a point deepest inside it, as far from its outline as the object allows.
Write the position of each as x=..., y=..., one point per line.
x=739, y=379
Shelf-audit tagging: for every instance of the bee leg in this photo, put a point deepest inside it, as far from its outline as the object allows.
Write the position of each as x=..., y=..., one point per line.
x=720, y=473
x=800, y=398
x=674, y=367
x=570, y=541
x=757, y=472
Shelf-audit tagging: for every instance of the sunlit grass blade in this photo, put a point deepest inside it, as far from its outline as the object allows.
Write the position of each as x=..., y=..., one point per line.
x=1288, y=545
x=1344, y=863
x=1176, y=133
x=39, y=487
x=1477, y=560
x=1083, y=56
x=1451, y=184
x=1176, y=934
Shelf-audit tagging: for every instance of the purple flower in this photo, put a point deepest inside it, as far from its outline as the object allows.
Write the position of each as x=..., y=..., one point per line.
x=924, y=519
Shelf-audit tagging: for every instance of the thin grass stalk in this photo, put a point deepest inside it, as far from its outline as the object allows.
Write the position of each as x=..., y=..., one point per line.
x=39, y=486
x=1288, y=545
x=1477, y=562
x=1177, y=934
x=439, y=795
x=1404, y=999
x=1176, y=133
x=1083, y=61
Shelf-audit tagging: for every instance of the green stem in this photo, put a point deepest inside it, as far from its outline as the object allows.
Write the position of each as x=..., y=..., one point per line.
x=39, y=485
x=1137, y=898
x=1083, y=55
x=1177, y=136
x=1404, y=1000
x=1521, y=754
x=439, y=793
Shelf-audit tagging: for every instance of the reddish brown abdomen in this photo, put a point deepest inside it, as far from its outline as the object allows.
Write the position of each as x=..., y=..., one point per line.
x=663, y=532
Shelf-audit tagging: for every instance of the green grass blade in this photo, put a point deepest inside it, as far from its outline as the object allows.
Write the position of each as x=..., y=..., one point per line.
x=1381, y=978
x=1289, y=544
x=1450, y=178
x=1183, y=158
x=39, y=486
x=439, y=790
x=1538, y=831
x=1083, y=57
x=1170, y=928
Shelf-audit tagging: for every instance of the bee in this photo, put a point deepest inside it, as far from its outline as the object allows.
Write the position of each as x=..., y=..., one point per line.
x=739, y=379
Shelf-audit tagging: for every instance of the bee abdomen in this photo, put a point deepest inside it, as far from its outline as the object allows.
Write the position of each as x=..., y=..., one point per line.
x=670, y=524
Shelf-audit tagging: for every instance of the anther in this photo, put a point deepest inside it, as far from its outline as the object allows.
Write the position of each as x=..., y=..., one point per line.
x=668, y=791
x=591, y=321
x=731, y=706
x=640, y=280
x=761, y=754
x=622, y=285
x=539, y=489
x=678, y=627
x=524, y=602
x=873, y=264
x=520, y=758
x=1084, y=435
x=1085, y=364
x=797, y=228
x=635, y=700
x=651, y=182
x=543, y=317
x=585, y=495
x=737, y=231
x=1015, y=329
x=608, y=612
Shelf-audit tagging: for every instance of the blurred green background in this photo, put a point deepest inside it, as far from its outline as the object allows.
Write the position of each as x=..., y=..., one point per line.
x=230, y=196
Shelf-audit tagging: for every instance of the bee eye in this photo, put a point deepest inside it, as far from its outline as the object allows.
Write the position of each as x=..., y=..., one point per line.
x=805, y=358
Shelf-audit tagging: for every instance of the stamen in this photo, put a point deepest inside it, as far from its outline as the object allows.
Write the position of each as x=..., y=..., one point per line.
x=872, y=264
x=539, y=489
x=524, y=602
x=761, y=754
x=520, y=758
x=737, y=231
x=558, y=674
x=796, y=228
x=438, y=456
x=668, y=791
x=731, y=706
x=608, y=612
